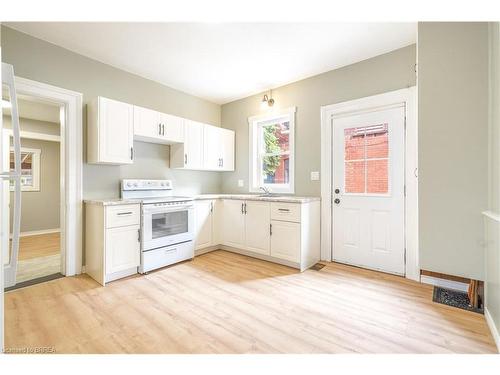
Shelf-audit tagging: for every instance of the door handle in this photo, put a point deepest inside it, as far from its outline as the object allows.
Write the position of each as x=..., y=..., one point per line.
x=270, y=229
x=245, y=208
x=336, y=201
x=131, y=153
x=242, y=212
x=159, y=129
x=185, y=158
x=163, y=129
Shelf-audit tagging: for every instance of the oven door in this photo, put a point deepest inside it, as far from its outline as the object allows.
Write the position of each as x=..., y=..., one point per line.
x=167, y=226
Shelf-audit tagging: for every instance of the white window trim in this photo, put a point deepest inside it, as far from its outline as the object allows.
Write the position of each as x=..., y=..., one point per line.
x=35, y=168
x=252, y=122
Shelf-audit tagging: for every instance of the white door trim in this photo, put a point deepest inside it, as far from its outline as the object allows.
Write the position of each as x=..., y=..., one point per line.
x=71, y=166
x=409, y=98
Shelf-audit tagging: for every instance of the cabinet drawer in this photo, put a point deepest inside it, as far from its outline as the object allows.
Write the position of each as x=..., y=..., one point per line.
x=285, y=212
x=123, y=215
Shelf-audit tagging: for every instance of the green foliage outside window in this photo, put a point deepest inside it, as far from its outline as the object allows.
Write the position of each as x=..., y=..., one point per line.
x=271, y=163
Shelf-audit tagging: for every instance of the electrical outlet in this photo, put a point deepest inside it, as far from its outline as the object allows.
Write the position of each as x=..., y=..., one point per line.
x=241, y=183
x=315, y=176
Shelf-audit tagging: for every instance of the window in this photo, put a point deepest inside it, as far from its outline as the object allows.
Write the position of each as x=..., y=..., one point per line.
x=30, y=169
x=366, y=160
x=272, y=151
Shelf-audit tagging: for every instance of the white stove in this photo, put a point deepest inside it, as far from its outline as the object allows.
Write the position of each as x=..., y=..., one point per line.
x=167, y=223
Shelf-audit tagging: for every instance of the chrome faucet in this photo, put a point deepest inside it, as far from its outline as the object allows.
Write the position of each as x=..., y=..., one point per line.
x=265, y=190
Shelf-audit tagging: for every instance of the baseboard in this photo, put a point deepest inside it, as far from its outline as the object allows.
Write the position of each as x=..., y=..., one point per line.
x=206, y=250
x=493, y=328
x=38, y=232
x=443, y=283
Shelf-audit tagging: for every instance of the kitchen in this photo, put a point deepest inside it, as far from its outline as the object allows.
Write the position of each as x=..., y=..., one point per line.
x=204, y=216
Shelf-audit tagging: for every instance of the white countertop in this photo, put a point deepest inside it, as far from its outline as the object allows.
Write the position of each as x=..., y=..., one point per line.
x=250, y=197
x=255, y=197
x=112, y=201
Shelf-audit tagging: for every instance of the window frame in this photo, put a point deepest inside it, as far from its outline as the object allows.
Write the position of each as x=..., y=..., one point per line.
x=35, y=168
x=255, y=172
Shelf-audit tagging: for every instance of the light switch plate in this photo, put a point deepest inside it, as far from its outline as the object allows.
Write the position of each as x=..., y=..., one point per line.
x=315, y=176
x=241, y=183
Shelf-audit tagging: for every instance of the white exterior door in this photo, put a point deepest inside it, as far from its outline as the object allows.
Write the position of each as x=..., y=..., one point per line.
x=368, y=189
x=257, y=226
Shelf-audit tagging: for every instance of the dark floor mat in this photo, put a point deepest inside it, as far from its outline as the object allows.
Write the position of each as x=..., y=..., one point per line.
x=38, y=280
x=317, y=267
x=454, y=298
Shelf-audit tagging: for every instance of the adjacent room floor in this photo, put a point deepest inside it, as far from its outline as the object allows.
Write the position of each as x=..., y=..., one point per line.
x=227, y=303
x=39, y=256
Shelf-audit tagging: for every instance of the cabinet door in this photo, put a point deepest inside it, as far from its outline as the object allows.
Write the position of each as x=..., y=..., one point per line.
x=146, y=123
x=204, y=227
x=217, y=224
x=116, y=131
x=122, y=248
x=233, y=223
x=227, y=149
x=257, y=226
x=193, y=145
x=172, y=130
x=285, y=240
x=211, y=148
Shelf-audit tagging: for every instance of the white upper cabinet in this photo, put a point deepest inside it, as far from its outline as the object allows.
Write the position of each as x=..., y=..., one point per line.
x=156, y=127
x=189, y=155
x=110, y=132
x=146, y=124
x=113, y=126
x=218, y=150
x=172, y=128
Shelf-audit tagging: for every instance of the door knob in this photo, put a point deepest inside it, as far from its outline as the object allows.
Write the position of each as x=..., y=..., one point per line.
x=337, y=191
x=336, y=201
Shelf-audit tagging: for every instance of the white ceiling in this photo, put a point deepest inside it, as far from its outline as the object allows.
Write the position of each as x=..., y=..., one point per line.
x=223, y=62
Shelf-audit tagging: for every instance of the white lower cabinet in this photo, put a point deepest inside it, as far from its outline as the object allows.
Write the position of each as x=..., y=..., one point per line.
x=204, y=224
x=285, y=240
x=257, y=226
x=112, y=241
x=286, y=233
x=233, y=223
x=122, y=248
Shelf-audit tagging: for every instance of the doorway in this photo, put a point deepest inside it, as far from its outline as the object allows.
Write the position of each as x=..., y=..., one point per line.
x=40, y=247
x=369, y=185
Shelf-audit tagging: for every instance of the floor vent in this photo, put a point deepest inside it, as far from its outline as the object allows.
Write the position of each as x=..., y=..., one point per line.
x=454, y=298
x=317, y=266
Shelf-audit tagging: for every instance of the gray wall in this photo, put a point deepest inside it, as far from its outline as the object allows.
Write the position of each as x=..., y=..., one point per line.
x=453, y=126
x=34, y=126
x=391, y=71
x=40, y=209
x=492, y=258
x=41, y=61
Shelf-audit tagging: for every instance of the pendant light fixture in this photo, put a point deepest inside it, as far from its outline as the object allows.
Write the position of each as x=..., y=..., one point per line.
x=267, y=101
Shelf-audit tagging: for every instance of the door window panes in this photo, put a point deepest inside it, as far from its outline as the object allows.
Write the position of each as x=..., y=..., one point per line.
x=366, y=160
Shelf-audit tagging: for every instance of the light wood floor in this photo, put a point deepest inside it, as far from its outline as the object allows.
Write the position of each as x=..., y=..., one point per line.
x=228, y=303
x=39, y=246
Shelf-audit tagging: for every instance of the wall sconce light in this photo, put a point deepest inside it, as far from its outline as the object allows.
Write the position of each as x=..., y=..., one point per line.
x=266, y=101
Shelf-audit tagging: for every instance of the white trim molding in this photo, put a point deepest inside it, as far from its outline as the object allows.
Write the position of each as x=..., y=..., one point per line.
x=443, y=283
x=253, y=122
x=495, y=332
x=71, y=166
x=408, y=97
x=38, y=136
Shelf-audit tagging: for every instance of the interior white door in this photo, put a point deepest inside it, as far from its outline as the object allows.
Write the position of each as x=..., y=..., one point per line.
x=368, y=183
x=234, y=218
x=257, y=226
x=203, y=217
